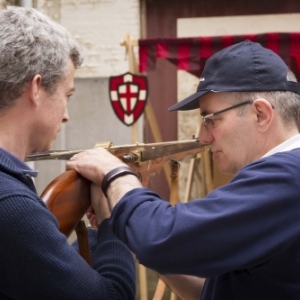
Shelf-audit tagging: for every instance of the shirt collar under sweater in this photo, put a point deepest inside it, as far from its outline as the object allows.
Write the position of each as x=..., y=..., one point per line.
x=23, y=167
x=290, y=144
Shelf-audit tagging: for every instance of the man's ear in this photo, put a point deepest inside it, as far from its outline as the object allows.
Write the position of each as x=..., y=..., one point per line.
x=264, y=113
x=35, y=89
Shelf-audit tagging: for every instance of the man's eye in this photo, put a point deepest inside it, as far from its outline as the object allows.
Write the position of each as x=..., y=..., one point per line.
x=210, y=122
x=216, y=121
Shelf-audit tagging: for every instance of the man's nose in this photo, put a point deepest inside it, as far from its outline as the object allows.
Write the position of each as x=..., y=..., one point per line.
x=66, y=116
x=205, y=137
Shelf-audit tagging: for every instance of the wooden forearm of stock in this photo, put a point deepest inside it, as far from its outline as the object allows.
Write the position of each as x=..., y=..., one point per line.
x=68, y=198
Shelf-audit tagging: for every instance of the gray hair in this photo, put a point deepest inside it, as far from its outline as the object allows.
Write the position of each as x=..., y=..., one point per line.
x=286, y=104
x=31, y=43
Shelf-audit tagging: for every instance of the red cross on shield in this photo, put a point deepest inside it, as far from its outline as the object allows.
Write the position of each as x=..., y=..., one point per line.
x=128, y=96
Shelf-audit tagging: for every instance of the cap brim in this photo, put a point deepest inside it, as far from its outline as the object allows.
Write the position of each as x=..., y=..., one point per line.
x=189, y=103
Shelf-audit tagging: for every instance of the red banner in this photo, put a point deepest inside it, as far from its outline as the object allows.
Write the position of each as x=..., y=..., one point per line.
x=191, y=53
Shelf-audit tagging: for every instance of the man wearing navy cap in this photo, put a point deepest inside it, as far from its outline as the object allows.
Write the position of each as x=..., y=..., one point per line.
x=244, y=237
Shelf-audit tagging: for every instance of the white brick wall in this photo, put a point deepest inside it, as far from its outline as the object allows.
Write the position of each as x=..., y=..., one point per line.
x=99, y=27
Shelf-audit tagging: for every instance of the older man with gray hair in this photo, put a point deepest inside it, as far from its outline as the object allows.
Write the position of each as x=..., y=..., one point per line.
x=244, y=237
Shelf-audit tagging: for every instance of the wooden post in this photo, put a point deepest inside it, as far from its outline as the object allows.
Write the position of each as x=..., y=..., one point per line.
x=207, y=184
x=128, y=43
x=133, y=68
x=174, y=167
x=191, y=172
x=160, y=290
x=174, y=195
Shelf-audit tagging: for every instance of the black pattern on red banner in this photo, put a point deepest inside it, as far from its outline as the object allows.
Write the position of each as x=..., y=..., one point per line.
x=191, y=53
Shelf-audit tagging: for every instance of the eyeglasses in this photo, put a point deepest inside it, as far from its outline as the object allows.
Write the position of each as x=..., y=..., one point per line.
x=208, y=122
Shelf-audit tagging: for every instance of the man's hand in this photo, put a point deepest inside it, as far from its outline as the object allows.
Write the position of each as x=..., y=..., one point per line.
x=94, y=164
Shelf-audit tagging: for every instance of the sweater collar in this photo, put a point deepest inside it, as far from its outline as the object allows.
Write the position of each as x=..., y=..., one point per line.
x=19, y=164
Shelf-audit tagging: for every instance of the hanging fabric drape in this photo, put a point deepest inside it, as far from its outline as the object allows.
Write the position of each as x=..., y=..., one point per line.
x=190, y=54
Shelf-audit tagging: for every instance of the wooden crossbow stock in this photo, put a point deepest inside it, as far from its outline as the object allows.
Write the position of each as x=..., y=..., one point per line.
x=68, y=195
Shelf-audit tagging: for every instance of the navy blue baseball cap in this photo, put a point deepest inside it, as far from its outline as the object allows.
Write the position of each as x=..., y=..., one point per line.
x=242, y=67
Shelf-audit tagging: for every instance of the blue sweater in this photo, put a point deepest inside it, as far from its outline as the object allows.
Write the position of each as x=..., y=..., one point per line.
x=36, y=261
x=243, y=237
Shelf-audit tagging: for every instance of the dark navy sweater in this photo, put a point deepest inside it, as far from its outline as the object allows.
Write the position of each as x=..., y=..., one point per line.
x=36, y=261
x=243, y=237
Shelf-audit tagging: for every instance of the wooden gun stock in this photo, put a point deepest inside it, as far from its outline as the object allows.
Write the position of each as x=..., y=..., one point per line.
x=68, y=198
